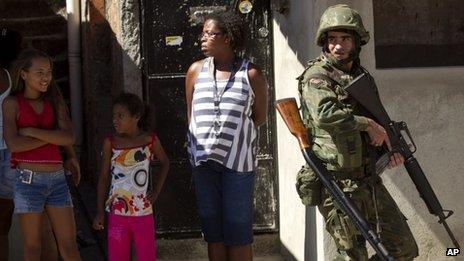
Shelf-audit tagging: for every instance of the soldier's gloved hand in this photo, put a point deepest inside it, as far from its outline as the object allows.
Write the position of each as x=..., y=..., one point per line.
x=376, y=132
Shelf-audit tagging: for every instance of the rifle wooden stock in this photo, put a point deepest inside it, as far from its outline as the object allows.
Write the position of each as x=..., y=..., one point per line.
x=291, y=116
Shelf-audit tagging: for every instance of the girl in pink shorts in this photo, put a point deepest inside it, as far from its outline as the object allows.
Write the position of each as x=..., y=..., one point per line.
x=126, y=159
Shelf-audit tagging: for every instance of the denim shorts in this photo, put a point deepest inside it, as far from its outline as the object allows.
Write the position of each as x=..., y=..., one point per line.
x=225, y=203
x=7, y=175
x=33, y=191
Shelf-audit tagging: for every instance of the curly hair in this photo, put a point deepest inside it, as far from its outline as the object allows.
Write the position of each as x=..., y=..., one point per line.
x=136, y=107
x=231, y=24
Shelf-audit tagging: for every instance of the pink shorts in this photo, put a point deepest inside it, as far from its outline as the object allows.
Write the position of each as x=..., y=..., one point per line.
x=123, y=229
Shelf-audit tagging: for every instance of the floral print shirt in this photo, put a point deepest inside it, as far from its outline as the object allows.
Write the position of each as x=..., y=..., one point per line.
x=130, y=171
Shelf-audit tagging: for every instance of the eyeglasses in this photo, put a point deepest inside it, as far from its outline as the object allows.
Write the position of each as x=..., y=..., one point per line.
x=209, y=35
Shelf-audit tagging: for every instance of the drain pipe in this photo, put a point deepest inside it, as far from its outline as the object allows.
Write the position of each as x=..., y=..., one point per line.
x=75, y=69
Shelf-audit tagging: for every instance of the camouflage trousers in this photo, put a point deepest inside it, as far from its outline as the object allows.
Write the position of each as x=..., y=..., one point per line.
x=394, y=230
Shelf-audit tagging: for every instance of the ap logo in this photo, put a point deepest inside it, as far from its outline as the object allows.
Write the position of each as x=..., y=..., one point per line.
x=452, y=251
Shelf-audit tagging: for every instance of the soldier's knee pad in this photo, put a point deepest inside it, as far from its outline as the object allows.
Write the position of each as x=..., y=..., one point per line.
x=409, y=252
x=405, y=250
x=342, y=231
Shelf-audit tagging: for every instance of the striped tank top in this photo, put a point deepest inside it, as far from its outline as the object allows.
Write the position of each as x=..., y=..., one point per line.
x=230, y=136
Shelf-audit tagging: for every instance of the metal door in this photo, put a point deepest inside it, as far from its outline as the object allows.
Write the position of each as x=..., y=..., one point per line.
x=170, y=45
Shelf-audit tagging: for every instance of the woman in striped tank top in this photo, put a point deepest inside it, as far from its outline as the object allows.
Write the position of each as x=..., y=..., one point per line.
x=226, y=102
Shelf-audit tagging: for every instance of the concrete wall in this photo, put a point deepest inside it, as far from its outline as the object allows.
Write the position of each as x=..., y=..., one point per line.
x=124, y=19
x=428, y=99
x=293, y=36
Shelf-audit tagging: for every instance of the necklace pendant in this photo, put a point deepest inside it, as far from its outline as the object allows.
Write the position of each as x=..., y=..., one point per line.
x=216, y=126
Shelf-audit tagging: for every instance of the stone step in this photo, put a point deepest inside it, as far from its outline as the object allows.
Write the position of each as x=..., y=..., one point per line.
x=24, y=8
x=53, y=45
x=264, y=245
x=255, y=258
x=24, y=1
x=36, y=26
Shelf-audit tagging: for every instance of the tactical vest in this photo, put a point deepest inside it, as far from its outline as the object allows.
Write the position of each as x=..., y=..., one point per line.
x=341, y=151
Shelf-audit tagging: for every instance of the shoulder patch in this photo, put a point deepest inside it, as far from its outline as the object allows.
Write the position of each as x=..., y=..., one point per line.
x=319, y=83
x=316, y=81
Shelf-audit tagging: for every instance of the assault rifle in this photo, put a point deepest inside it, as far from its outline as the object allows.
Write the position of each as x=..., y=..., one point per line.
x=363, y=90
x=289, y=112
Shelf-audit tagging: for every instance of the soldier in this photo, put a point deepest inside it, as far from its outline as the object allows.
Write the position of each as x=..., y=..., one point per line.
x=348, y=141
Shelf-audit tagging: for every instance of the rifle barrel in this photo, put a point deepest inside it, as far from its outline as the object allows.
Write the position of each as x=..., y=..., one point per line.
x=363, y=90
x=450, y=234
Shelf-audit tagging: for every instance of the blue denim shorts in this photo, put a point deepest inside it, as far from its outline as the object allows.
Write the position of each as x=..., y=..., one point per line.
x=34, y=190
x=7, y=175
x=225, y=203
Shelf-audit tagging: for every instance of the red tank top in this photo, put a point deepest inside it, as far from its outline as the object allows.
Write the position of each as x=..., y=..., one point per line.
x=27, y=117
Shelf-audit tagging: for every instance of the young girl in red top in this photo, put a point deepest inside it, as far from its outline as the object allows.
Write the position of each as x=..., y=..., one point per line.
x=36, y=123
x=126, y=159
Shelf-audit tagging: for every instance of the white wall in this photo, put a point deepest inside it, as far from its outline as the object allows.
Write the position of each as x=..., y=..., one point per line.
x=123, y=17
x=297, y=224
x=430, y=100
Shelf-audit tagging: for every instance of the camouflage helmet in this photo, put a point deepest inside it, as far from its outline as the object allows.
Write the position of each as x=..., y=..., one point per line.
x=341, y=17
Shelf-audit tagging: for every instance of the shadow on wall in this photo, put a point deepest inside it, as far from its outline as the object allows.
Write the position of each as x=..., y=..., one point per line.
x=98, y=71
x=103, y=79
x=310, y=244
x=289, y=16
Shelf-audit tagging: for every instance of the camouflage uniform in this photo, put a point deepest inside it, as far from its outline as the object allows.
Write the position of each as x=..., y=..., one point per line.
x=337, y=126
